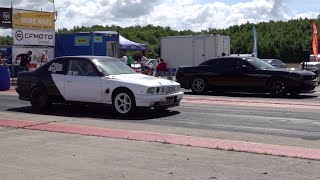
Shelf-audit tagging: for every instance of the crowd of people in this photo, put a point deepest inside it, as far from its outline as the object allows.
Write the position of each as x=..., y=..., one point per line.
x=157, y=68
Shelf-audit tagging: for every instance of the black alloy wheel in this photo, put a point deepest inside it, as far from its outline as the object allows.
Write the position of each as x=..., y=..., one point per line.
x=278, y=88
x=199, y=85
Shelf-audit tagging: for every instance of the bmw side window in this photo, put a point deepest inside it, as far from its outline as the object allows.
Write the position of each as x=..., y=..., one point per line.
x=81, y=68
x=75, y=68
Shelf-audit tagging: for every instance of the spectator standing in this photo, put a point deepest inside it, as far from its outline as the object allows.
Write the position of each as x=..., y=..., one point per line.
x=161, y=68
x=144, y=66
x=44, y=57
x=125, y=59
x=129, y=62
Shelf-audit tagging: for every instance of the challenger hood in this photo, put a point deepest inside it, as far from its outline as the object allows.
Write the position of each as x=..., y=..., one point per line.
x=142, y=79
x=288, y=71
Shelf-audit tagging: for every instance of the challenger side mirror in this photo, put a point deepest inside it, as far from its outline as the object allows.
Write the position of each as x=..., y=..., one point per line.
x=245, y=68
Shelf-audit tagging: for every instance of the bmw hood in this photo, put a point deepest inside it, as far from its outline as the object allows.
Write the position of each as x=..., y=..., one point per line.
x=141, y=79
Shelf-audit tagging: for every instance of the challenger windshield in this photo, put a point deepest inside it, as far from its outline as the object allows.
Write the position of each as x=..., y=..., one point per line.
x=259, y=64
x=113, y=66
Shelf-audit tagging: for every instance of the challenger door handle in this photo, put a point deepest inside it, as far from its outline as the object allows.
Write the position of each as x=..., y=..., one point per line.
x=68, y=81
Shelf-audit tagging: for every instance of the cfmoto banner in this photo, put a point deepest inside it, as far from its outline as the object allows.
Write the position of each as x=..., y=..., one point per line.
x=33, y=20
x=33, y=37
x=5, y=17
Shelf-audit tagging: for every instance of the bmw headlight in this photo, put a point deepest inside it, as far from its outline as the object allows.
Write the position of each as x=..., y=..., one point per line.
x=178, y=88
x=151, y=90
x=168, y=89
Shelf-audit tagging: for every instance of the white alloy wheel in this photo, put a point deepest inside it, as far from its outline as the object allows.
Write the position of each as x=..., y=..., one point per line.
x=123, y=103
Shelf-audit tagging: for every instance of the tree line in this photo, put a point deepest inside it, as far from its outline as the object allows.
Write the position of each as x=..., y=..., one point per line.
x=282, y=40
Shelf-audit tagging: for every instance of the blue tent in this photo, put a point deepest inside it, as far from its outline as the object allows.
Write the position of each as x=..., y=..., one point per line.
x=127, y=45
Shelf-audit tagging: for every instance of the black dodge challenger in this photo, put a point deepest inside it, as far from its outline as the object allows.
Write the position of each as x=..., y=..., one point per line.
x=245, y=74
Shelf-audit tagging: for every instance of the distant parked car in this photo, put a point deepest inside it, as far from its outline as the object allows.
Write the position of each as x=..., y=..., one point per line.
x=275, y=62
x=245, y=74
x=137, y=65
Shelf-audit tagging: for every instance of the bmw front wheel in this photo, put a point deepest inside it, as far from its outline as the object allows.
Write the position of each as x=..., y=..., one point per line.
x=124, y=102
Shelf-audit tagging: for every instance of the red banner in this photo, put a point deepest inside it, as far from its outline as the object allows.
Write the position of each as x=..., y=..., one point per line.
x=315, y=40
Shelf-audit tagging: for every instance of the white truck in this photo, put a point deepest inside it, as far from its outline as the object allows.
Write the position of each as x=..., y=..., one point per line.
x=193, y=50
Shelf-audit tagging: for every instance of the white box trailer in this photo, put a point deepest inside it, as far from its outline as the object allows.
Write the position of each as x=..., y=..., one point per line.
x=193, y=50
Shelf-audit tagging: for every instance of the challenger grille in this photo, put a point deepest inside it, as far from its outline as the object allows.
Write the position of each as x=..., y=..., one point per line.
x=309, y=77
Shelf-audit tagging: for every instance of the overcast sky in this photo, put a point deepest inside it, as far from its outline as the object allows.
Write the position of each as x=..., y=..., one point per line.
x=178, y=14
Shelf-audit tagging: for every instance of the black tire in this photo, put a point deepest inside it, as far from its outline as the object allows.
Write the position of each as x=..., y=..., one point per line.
x=294, y=93
x=278, y=87
x=123, y=102
x=39, y=99
x=199, y=85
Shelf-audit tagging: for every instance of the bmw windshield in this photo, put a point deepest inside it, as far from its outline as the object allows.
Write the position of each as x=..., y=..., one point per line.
x=258, y=63
x=113, y=67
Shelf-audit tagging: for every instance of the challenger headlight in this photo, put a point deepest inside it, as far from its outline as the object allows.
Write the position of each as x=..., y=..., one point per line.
x=298, y=77
x=151, y=90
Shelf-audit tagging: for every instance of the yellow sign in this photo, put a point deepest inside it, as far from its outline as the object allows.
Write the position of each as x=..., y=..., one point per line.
x=81, y=41
x=98, y=39
x=33, y=20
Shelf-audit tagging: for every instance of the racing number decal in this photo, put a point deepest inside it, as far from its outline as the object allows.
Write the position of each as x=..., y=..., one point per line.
x=73, y=73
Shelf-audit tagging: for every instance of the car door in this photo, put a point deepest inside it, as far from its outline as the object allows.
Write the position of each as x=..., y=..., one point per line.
x=232, y=76
x=211, y=70
x=252, y=78
x=80, y=85
x=52, y=75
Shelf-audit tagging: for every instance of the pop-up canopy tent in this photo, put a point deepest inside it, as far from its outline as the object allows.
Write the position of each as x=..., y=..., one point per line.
x=127, y=45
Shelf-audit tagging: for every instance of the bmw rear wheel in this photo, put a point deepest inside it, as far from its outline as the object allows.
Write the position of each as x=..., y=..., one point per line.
x=39, y=99
x=199, y=85
x=124, y=102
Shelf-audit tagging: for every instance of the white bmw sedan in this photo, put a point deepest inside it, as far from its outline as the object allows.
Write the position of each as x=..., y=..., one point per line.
x=97, y=80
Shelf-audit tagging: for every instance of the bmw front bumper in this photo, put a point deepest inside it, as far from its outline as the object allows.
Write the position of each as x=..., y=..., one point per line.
x=159, y=100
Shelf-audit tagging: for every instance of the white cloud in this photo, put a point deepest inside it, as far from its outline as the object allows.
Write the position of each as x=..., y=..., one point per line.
x=309, y=15
x=180, y=15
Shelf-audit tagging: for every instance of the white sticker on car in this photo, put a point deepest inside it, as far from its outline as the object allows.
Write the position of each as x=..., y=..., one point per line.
x=73, y=73
x=55, y=67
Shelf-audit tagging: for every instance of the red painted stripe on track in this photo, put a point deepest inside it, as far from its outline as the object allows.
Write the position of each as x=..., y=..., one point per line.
x=258, y=148
x=15, y=123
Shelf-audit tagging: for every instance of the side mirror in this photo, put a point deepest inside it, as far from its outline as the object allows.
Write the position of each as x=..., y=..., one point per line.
x=245, y=68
